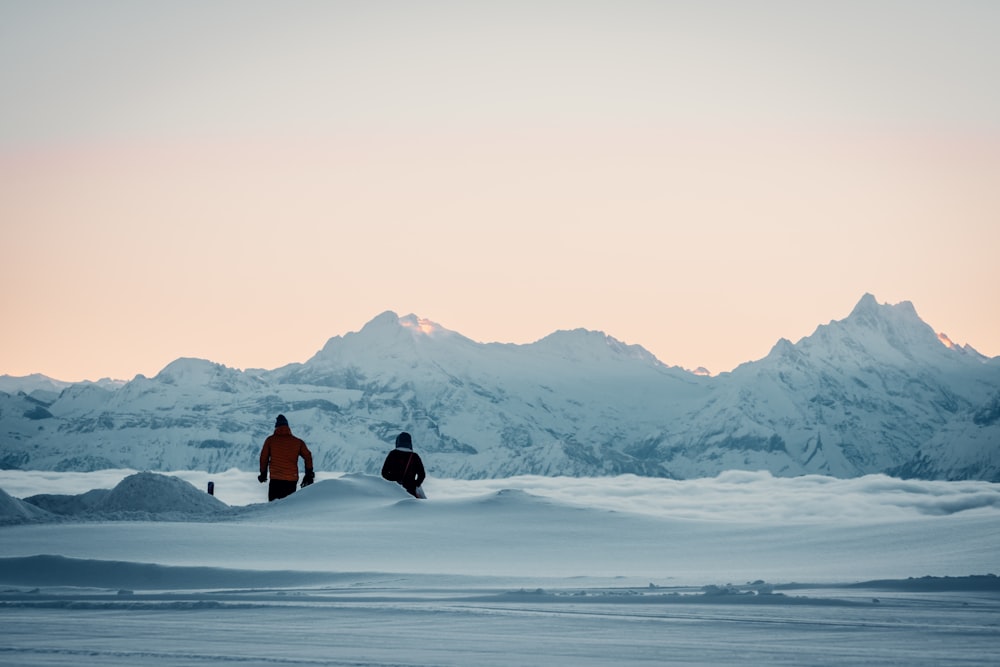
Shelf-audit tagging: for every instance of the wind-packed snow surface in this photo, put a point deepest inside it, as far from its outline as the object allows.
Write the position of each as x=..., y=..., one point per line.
x=124, y=568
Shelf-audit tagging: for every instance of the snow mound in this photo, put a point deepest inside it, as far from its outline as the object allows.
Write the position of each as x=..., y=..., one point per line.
x=13, y=510
x=355, y=491
x=513, y=498
x=357, y=486
x=69, y=505
x=159, y=494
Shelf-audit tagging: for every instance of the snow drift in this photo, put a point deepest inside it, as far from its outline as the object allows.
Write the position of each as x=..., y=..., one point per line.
x=739, y=568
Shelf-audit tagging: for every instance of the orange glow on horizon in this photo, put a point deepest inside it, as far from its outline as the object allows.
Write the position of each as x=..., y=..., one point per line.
x=686, y=179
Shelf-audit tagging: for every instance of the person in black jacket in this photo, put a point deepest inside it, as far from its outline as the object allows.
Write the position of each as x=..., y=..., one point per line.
x=403, y=466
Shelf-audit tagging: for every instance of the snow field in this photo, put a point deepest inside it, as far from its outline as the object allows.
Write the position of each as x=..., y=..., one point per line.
x=743, y=568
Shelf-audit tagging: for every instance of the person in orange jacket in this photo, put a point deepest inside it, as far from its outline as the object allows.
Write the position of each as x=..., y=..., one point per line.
x=280, y=453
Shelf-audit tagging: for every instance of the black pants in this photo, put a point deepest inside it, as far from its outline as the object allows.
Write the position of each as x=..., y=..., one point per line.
x=279, y=488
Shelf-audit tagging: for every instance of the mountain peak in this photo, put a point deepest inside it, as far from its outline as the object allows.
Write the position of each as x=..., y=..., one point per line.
x=581, y=344
x=422, y=326
x=870, y=312
x=185, y=365
x=782, y=347
x=874, y=334
x=867, y=304
x=389, y=338
x=189, y=369
x=385, y=320
x=29, y=383
x=390, y=321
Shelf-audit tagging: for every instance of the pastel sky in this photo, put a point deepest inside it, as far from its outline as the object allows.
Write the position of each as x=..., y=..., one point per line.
x=240, y=181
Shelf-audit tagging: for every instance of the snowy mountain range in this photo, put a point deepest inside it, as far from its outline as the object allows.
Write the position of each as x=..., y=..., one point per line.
x=876, y=392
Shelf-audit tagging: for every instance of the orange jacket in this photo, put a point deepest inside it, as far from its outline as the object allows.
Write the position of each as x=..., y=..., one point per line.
x=282, y=451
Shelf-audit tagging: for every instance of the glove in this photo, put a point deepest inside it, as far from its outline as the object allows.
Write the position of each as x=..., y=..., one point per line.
x=262, y=477
x=308, y=478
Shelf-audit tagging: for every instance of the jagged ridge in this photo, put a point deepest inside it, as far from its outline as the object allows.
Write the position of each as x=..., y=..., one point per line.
x=878, y=391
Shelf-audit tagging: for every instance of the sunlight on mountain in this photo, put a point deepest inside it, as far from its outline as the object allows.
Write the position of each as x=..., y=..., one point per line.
x=947, y=341
x=423, y=326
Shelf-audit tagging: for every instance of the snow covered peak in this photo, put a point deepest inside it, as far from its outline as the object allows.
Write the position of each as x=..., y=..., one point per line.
x=385, y=342
x=783, y=347
x=389, y=326
x=584, y=344
x=387, y=320
x=868, y=311
x=897, y=325
x=418, y=325
x=191, y=372
x=381, y=331
x=868, y=305
x=187, y=369
x=873, y=335
x=28, y=384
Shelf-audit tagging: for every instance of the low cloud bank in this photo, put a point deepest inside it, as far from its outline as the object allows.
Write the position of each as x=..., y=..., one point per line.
x=736, y=496
x=753, y=496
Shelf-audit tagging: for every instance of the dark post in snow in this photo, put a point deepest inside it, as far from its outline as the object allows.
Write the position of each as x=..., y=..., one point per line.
x=211, y=488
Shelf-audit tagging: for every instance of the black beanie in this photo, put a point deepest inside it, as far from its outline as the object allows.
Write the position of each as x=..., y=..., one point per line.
x=280, y=421
x=403, y=441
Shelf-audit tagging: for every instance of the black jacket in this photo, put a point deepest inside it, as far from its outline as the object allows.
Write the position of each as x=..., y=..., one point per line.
x=404, y=467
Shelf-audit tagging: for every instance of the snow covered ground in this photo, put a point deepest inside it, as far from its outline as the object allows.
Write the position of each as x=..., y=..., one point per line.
x=742, y=568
